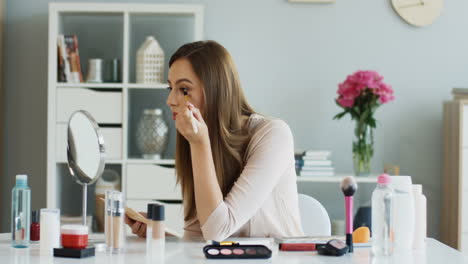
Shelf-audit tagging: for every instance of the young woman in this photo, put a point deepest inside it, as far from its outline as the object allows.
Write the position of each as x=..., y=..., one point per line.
x=236, y=168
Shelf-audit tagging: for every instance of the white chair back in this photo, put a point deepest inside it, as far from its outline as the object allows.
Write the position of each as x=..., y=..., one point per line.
x=314, y=218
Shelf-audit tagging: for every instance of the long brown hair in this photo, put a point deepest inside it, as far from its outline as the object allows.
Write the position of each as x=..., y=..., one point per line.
x=225, y=105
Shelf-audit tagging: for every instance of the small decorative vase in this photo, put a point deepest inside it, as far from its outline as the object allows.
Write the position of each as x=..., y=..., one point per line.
x=94, y=71
x=363, y=149
x=152, y=133
x=150, y=62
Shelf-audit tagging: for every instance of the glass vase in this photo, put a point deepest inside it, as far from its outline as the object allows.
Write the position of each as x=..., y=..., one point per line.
x=363, y=149
x=151, y=134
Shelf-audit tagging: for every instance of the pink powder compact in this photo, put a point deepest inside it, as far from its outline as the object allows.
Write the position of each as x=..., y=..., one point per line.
x=74, y=236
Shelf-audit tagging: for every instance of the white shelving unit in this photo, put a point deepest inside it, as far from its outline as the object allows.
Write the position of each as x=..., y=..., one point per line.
x=454, y=211
x=111, y=31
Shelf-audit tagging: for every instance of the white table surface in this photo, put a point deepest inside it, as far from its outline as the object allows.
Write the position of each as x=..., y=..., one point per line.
x=180, y=252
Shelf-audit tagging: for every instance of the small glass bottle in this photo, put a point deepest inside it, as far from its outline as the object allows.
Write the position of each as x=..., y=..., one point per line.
x=108, y=218
x=382, y=217
x=20, y=212
x=159, y=234
x=117, y=223
x=35, y=226
x=149, y=227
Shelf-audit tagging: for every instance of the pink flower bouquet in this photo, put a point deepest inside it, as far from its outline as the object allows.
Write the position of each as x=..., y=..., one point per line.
x=360, y=95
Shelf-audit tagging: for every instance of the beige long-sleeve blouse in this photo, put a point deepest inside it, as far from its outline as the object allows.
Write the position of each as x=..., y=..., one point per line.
x=263, y=202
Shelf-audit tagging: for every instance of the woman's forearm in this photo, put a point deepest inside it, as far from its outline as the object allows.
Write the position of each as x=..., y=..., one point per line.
x=208, y=194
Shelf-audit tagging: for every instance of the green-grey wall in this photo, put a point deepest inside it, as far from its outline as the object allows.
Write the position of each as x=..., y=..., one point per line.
x=290, y=58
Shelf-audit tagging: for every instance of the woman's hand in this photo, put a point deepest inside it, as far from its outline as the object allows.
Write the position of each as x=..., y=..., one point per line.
x=138, y=228
x=185, y=122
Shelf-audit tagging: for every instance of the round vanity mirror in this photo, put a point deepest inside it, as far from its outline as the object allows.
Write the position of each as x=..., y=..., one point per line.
x=85, y=151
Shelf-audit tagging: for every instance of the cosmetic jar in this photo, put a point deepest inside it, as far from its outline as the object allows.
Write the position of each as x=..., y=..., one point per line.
x=74, y=236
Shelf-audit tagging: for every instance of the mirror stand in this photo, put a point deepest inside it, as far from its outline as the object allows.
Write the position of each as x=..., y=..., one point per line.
x=85, y=202
x=85, y=152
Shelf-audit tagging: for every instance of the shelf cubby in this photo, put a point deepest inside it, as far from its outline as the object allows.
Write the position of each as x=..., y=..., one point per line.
x=138, y=101
x=114, y=31
x=99, y=35
x=170, y=30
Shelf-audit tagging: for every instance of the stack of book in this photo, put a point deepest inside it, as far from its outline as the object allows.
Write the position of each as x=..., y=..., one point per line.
x=314, y=163
x=68, y=59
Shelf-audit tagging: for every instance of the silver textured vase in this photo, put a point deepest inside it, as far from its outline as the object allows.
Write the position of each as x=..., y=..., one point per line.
x=151, y=135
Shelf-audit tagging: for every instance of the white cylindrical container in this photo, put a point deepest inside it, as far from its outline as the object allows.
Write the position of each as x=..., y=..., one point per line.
x=338, y=227
x=94, y=71
x=50, y=229
x=403, y=203
x=420, y=214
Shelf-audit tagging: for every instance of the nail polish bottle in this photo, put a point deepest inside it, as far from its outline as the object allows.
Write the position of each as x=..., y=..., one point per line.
x=35, y=226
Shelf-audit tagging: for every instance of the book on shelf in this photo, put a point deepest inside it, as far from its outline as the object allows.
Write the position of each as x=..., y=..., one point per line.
x=303, y=163
x=313, y=153
x=63, y=58
x=317, y=168
x=315, y=158
x=68, y=46
x=60, y=66
x=317, y=173
x=313, y=163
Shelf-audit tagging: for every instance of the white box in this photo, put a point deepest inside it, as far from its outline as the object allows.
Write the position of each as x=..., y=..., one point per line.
x=104, y=106
x=112, y=142
x=148, y=181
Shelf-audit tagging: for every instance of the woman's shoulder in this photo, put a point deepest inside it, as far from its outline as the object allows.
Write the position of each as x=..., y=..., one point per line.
x=271, y=133
x=260, y=123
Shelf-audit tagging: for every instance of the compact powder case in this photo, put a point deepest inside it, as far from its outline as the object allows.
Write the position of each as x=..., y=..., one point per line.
x=237, y=252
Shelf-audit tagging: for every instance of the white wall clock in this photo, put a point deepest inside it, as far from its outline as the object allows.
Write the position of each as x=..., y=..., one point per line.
x=418, y=13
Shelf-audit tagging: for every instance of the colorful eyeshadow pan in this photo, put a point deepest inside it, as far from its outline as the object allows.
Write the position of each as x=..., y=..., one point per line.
x=238, y=251
x=251, y=251
x=213, y=251
x=226, y=251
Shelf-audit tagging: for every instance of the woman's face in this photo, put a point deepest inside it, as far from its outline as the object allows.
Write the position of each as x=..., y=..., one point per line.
x=182, y=77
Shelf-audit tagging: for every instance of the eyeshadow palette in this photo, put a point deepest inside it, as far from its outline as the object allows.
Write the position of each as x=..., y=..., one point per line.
x=237, y=252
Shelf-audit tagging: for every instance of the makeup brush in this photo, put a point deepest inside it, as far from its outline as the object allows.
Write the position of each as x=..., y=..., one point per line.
x=194, y=124
x=349, y=186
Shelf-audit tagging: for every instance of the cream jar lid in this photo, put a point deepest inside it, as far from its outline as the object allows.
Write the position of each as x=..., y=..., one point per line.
x=74, y=230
